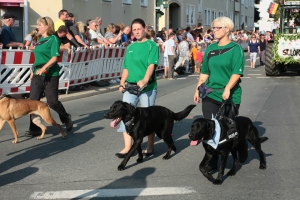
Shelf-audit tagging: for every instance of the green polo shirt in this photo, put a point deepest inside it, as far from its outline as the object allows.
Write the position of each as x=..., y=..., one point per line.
x=220, y=63
x=45, y=49
x=138, y=57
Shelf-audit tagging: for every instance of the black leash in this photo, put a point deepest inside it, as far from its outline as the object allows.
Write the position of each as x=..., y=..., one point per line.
x=129, y=124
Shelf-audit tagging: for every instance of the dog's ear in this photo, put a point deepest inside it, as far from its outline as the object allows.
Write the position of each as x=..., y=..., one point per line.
x=211, y=128
x=130, y=108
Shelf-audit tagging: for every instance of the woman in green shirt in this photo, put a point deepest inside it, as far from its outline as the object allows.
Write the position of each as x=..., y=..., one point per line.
x=45, y=73
x=222, y=67
x=139, y=68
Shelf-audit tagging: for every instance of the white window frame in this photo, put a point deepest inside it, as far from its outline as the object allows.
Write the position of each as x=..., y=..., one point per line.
x=144, y=3
x=207, y=17
x=199, y=6
x=127, y=2
x=190, y=14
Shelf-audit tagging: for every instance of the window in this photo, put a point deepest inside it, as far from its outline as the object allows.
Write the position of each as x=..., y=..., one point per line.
x=236, y=19
x=207, y=17
x=221, y=13
x=127, y=1
x=214, y=14
x=246, y=3
x=144, y=3
x=231, y=16
x=242, y=2
x=190, y=14
x=226, y=6
x=199, y=6
x=106, y=0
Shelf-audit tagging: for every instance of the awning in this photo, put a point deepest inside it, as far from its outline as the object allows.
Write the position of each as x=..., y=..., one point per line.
x=11, y=3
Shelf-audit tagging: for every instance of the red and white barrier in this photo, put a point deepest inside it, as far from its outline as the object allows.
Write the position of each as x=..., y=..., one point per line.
x=79, y=67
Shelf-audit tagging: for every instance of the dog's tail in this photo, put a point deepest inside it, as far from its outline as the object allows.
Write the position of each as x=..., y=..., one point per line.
x=262, y=139
x=183, y=114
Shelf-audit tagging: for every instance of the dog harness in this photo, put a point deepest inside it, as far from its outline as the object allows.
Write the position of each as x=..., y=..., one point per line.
x=232, y=133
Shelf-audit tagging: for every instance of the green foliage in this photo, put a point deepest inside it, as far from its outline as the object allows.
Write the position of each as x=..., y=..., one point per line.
x=293, y=15
x=279, y=59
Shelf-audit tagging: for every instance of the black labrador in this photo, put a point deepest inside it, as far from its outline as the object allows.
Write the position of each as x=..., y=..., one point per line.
x=140, y=122
x=203, y=129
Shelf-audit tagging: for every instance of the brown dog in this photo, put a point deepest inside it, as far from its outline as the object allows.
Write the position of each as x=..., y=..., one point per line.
x=12, y=109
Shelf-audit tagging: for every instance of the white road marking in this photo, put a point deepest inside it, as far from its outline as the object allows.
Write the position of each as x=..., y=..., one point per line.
x=263, y=77
x=283, y=77
x=253, y=74
x=245, y=77
x=181, y=78
x=130, y=192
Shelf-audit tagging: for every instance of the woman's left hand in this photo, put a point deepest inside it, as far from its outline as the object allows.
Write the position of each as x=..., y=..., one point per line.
x=40, y=71
x=141, y=83
x=226, y=94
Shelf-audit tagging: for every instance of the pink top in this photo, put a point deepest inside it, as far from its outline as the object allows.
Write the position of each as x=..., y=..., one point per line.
x=199, y=56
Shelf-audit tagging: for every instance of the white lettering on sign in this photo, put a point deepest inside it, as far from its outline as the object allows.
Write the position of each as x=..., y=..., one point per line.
x=287, y=48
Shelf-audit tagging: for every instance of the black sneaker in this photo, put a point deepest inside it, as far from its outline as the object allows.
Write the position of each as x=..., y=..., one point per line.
x=32, y=133
x=69, y=123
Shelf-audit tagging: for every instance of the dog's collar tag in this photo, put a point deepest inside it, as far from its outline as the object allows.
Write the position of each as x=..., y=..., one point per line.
x=216, y=137
x=129, y=124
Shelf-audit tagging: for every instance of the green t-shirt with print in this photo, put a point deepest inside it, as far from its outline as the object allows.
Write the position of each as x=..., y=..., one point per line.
x=45, y=49
x=139, y=55
x=220, y=63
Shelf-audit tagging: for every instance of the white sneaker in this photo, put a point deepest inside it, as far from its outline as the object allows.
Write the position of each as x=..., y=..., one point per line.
x=112, y=81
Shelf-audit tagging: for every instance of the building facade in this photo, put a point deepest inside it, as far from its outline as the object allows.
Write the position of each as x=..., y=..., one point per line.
x=265, y=23
x=177, y=13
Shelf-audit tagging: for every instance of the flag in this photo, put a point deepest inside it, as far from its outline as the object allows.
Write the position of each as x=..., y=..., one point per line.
x=273, y=9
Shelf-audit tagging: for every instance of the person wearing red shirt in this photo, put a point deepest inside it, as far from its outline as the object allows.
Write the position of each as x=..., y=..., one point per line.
x=199, y=58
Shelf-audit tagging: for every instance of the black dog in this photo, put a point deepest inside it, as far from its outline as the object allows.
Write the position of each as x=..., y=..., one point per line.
x=203, y=129
x=140, y=122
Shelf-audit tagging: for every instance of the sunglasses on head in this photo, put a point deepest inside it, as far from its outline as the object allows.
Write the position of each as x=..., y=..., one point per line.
x=45, y=20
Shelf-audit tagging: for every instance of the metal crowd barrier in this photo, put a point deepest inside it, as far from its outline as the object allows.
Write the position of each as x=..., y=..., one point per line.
x=80, y=67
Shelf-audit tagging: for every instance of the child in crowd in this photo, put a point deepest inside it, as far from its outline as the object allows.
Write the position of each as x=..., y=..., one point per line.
x=199, y=58
x=193, y=55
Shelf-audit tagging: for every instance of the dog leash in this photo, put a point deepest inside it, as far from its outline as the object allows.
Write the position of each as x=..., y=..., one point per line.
x=129, y=124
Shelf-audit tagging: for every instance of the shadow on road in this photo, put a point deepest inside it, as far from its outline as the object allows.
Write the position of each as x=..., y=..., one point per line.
x=137, y=179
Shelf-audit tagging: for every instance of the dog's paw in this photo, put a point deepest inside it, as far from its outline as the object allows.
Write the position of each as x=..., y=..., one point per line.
x=14, y=141
x=121, y=167
x=217, y=182
x=39, y=138
x=231, y=173
x=139, y=160
x=263, y=166
x=166, y=157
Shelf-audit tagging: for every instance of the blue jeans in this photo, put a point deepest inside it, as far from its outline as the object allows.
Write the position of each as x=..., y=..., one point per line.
x=146, y=99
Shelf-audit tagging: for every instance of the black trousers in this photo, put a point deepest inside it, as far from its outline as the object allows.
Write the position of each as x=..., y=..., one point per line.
x=49, y=85
x=212, y=107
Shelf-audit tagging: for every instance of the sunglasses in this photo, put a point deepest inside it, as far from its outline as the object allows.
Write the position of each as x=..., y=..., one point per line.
x=217, y=28
x=46, y=23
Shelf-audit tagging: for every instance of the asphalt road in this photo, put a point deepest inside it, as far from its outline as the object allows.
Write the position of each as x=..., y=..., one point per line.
x=83, y=165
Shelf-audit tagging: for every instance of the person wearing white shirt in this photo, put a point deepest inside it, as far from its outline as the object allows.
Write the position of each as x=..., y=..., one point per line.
x=169, y=47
